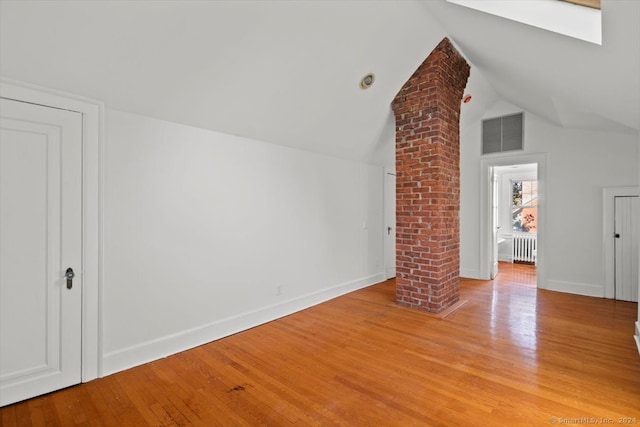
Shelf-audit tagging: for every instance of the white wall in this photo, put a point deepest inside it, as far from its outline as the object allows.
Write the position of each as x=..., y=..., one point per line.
x=207, y=234
x=637, y=328
x=383, y=152
x=579, y=164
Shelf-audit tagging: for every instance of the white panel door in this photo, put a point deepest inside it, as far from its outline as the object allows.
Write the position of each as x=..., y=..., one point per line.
x=40, y=238
x=390, y=230
x=626, y=211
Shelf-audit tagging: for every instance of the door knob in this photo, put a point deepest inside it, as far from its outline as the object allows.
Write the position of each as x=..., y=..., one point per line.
x=69, y=274
x=389, y=231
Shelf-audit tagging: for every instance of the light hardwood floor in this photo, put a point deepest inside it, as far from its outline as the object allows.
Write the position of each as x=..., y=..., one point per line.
x=512, y=356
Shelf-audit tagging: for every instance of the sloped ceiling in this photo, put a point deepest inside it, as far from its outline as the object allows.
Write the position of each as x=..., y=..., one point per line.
x=571, y=82
x=288, y=72
x=280, y=71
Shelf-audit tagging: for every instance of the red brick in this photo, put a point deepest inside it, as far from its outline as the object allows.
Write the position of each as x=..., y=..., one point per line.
x=427, y=111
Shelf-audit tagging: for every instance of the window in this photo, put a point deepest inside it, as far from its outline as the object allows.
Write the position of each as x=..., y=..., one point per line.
x=524, y=206
x=561, y=17
x=595, y=4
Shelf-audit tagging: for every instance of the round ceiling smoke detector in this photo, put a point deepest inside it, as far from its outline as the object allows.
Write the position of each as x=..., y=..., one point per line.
x=367, y=81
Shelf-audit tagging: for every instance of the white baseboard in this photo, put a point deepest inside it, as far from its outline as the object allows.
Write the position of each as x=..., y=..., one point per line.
x=470, y=273
x=162, y=347
x=390, y=273
x=586, y=289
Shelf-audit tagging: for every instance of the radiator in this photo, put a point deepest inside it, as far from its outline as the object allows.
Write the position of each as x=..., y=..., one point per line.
x=524, y=247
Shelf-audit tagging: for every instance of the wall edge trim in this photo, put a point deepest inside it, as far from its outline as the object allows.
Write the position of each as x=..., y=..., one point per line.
x=159, y=348
x=585, y=289
x=470, y=273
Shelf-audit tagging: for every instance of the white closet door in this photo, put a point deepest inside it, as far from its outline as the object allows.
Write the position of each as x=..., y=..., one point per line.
x=40, y=238
x=390, y=220
x=627, y=210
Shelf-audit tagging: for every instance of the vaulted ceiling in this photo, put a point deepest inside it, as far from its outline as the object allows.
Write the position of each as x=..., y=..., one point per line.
x=568, y=81
x=288, y=72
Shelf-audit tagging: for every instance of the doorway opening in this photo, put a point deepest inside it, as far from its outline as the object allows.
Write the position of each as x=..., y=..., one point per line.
x=512, y=214
x=515, y=215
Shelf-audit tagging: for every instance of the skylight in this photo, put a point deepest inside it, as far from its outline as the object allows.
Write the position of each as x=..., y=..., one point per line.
x=561, y=17
x=588, y=3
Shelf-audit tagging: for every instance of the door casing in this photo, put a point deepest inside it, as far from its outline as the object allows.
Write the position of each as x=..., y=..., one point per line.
x=92, y=201
x=486, y=210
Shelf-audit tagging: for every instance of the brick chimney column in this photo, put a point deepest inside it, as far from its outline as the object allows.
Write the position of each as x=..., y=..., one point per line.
x=427, y=113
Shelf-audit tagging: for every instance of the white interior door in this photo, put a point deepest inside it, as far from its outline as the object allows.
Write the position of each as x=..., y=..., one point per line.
x=626, y=212
x=390, y=225
x=495, y=215
x=40, y=238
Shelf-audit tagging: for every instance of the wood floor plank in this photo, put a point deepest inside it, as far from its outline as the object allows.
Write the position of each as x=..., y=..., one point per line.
x=8, y=416
x=44, y=411
x=99, y=412
x=513, y=355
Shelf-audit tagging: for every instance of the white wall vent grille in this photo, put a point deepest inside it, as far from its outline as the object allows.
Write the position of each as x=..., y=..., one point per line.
x=502, y=134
